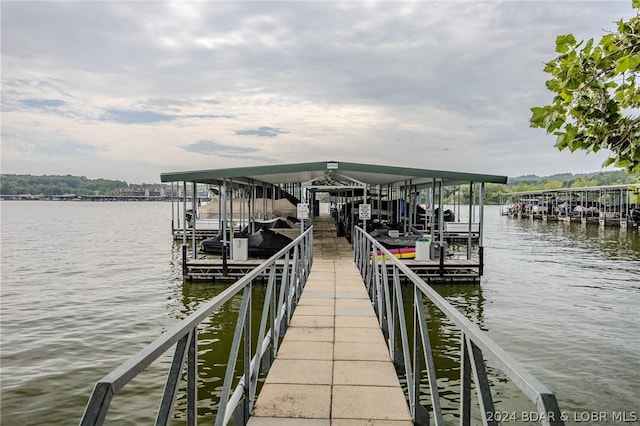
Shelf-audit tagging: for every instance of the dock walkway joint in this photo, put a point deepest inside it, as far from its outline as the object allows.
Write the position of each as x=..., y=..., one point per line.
x=333, y=366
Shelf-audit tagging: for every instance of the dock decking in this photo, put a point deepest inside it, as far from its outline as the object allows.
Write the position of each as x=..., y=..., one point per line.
x=333, y=366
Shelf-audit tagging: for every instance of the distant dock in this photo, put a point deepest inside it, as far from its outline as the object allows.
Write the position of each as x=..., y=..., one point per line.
x=617, y=205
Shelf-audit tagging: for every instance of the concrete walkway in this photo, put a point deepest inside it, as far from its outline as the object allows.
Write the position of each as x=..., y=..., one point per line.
x=333, y=367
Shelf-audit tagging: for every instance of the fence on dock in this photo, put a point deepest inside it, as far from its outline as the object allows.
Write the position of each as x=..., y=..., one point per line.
x=246, y=363
x=411, y=354
x=282, y=294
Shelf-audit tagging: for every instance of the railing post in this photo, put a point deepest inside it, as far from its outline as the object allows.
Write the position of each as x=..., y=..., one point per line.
x=465, y=383
x=393, y=328
x=173, y=380
x=428, y=358
x=225, y=267
x=192, y=379
x=415, y=382
x=549, y=410
x=184, y=260
x=98, y=405
x=275, y=335
x=247, y=403
x=404, y=339
x=233, y=356
x=386, y=320
x=482, y=384
x=283, y=299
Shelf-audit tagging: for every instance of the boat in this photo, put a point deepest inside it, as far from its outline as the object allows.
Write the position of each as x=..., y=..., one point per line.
x=275, y=223
x=398, y=253
x=634, y=215
x=391, y=240
x=262, y=243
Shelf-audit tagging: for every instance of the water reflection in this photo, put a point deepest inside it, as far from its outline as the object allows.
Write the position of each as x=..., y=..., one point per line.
x=613, y=242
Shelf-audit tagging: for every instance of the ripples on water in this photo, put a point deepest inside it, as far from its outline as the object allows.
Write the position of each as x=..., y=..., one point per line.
x=87, y=285
x=84, y=285
x=563, y=299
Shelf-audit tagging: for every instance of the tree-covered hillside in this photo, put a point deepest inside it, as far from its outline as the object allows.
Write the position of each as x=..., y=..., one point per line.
x=493, y=192
x=568, y=180
x=57, y=185
x=79, y=185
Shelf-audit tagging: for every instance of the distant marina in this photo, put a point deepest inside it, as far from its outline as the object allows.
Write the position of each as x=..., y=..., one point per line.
x=74, y=197
x=615, y=205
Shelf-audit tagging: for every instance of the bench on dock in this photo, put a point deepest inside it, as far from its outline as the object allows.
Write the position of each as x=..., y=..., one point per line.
x=461, y=229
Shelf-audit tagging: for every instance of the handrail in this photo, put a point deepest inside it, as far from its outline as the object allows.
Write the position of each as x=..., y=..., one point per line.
x=386, y=296
x=297, y=258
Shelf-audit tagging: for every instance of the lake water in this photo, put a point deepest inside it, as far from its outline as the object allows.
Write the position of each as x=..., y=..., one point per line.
x=86, y=285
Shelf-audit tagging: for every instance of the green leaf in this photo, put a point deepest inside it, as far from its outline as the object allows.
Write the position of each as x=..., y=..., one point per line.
x=635, y=4
x=566, y=96
x=626, y=63
x=556, y=124
x=538, y=117
x=564, y=42
x=586, y=51
x=561, y=141
x=596, y=95
x=553, y=85
x=571, y=130
x=551, y=66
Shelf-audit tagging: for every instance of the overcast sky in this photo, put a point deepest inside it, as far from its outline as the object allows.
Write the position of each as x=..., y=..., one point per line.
x=128, y=90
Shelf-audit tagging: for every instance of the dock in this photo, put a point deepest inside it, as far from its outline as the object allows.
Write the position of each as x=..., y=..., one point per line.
x=333, y=366
x=328, y=246
x=451, y=270
x=613, y=205
x=333, y=342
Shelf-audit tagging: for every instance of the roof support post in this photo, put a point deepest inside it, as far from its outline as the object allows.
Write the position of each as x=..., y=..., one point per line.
x=184, y=213
x=471, y=201
x=254, y=192
x=194, y=212
x=364, y=200
x=223, y=211
x=480, y=230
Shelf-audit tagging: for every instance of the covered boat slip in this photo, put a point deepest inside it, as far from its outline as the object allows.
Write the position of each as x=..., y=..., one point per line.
x=614, y=205
x=329, y=246
x=407, y=208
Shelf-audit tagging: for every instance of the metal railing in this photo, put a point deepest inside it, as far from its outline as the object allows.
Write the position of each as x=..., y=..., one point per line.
x=412, y=357
x=281, y=297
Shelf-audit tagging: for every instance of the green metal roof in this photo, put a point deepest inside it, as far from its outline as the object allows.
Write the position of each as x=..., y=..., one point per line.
x=330, y=171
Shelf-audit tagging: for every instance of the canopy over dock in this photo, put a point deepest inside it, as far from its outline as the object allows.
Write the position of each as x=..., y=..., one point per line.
x=331, y=175
x=411, y=200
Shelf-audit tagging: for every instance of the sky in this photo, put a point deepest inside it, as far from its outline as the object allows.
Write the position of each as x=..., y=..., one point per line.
x=129, y=90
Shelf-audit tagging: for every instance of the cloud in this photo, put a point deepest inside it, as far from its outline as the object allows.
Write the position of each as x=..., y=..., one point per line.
x=224, y=151
x=263, y=131
x=42, y=103
x=443, y=85
x=136, y=117
x=149, y=117
x=65, y=149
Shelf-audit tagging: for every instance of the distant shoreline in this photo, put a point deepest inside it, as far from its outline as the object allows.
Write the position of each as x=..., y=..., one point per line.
x=84, y=198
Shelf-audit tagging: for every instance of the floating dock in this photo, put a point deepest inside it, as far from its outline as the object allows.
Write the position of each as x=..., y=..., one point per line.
x=334, y=351
x=327, y=245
